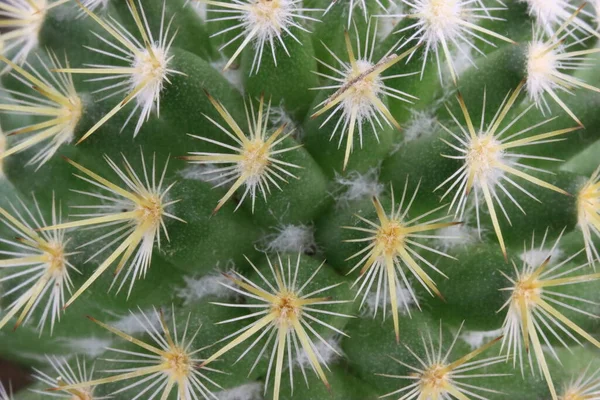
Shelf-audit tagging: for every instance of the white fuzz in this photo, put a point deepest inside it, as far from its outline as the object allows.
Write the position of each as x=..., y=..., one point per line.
x=90, y=346
x=131, y=325
x=248, y=391
x=356, y=186
x=491, y=160
x=233, y=75
x=291, y=239
x=434, y=376
x=550, y=15
x=393, y=250
x=254, y=159
x=196, y=289
x=442, y=23
x=329, y=352
x=476, y=339
x=24, y=19
x=455, y=236
x=387, y=25
x=134, y=213
x=596, y=4
x=463, y=57
x=199, y=8
x=421, y=124
x=31, y=356
x=284, y=318
x=147, y=65
x=536, y=256
x=405, y=302
x=549, y=70
x=65, y=374
x=50, y=98
x=37, y=265
x=533, y=315
x=361, y=4
x=359, y=90
x=204, y=173
x=166, y=364
x=588, y=216
x=279, y=116
x=262, y=23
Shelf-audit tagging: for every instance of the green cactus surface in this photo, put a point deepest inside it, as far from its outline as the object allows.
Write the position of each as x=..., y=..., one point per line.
x=300, y=199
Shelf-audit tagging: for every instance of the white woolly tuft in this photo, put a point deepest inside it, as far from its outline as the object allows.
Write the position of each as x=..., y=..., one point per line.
x=457, y=235
x=204, y=173
x=536, y=257
x=33, y=356
x=421, y=124
x=387, y=24
x=279, y=116
x=328, y=353
x=291, y=239
x=356, y=186
x=248, y=391
x=233, y=75
x=199, y=7
x=90, y=346
x=476, y=339
x=463, y=57
x=196, y=289
x=136, y=322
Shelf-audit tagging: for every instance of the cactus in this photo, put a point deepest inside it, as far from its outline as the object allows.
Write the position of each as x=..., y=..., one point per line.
x=300, y=199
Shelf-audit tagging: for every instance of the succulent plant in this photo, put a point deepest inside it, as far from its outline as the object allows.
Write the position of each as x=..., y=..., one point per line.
x=300, y=199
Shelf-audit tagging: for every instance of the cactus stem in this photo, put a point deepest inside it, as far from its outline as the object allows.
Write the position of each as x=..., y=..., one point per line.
x=263, y=22
x=531, y=306
x=285, y=313
x=359, y=89
x=145, y=204
x=547, y=62
x=588, y=215
x=54, y=99
x=436, y=378
x=489, y=162
x=440, y=23
x=256, y=163
x=390, y=246
x=39, y=258
x=172, y=363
